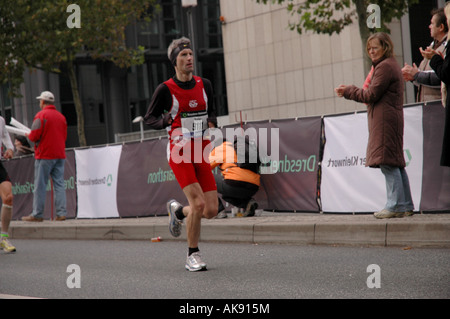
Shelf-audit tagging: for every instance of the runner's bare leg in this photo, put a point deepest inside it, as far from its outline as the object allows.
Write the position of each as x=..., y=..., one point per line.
x=201, y=205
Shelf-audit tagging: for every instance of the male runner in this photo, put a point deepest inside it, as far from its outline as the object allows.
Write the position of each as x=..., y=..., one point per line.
x=6, y=190
x=184, y=106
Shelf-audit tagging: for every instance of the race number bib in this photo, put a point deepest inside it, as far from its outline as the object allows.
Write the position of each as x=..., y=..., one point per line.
x=194, y=123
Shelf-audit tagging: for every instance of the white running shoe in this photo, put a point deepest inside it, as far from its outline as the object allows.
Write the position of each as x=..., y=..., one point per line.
x=194, y=262
x=174, y=222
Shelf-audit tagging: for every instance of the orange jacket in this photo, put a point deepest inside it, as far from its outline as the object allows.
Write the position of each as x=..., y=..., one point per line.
x=225, y=157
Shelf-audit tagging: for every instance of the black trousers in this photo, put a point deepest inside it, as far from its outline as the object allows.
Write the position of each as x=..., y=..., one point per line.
x=236, y=193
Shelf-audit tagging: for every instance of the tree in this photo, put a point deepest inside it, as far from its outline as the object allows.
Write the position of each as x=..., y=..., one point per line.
x=47, y=35
x=332, y=16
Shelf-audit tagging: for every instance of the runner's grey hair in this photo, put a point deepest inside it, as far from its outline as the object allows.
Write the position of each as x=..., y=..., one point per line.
x=176, y=44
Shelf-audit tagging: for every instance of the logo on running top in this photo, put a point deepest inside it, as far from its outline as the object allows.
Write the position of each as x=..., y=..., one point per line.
x=193, y=104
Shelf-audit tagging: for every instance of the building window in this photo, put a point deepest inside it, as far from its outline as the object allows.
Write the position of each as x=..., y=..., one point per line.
x=5, y=103
x=163, y=28
x=171, y=19
x=211, y=24
x=66, y=100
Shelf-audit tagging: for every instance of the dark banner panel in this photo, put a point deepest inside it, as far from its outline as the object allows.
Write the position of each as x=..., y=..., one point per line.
x=292, y=182
x=145, y=180
x=436, y=178
x=21, y=172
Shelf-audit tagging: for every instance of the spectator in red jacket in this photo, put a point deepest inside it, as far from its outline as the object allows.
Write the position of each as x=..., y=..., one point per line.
x=49, y=133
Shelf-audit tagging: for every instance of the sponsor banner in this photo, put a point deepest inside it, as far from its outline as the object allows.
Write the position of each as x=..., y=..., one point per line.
x=21, y=172
x=436, y=178
x=291, y=181
x=70, y=184
x=145, y=180
x=347, y=185
x=97, y=181
x=135, y=179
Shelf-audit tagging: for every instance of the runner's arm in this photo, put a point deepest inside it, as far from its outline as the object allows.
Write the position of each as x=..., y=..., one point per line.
x=157, y=116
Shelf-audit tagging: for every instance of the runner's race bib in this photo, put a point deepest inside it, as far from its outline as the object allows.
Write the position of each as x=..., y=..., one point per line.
x=194, y=123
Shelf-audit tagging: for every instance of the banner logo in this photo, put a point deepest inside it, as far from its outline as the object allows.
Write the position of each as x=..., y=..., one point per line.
x=408, y=157
x=109, y=180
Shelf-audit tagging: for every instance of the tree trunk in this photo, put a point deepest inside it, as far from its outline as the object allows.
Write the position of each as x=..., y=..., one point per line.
x=361, y=10
x=77, y=101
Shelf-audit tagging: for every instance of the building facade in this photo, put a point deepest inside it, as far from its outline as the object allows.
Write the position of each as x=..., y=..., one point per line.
x=273, y=72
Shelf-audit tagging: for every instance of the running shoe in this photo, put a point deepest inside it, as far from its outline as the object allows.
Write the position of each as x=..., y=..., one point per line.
x=222, y=214
x=384, y=213
x=174, y=222
x=6, y=246
x=194, y=262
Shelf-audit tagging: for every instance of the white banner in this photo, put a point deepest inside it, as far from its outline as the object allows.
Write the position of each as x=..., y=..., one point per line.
x=347, y=185
x=97, y=170
x=15, y=130
x=19, y=125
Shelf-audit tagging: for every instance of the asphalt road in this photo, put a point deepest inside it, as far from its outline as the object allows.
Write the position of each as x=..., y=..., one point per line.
x=142, y=269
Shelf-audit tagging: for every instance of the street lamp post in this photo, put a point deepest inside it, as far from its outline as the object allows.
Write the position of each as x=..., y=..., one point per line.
x=140, y=120
x=189, y=4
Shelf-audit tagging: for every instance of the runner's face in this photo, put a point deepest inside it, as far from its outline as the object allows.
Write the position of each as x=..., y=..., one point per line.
x=185, y=61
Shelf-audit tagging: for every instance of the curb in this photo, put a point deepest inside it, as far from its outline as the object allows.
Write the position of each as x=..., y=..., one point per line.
x=251, y=230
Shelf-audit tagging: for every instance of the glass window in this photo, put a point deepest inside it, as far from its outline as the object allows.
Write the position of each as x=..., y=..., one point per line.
x=66, y=98
x=5, y=103
x=212, y=24
x=163, y=28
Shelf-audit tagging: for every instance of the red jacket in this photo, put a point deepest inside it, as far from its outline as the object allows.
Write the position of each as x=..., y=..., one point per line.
x=49, y=133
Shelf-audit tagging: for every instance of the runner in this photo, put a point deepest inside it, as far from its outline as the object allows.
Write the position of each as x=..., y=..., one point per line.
x=6, y=191
x=184, y=106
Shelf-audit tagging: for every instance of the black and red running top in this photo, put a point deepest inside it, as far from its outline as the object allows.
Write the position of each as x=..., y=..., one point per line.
x=189, y=104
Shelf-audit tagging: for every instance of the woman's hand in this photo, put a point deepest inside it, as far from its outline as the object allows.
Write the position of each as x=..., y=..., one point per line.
x=340, y=90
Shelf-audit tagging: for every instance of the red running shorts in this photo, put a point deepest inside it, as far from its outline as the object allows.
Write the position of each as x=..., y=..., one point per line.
x=189, y=160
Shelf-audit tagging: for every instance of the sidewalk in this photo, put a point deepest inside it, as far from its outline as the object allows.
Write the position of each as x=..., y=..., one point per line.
x=420, y=230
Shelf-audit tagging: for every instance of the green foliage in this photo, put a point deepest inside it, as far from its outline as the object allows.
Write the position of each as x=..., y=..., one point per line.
x=35, y=34
x=332, y=16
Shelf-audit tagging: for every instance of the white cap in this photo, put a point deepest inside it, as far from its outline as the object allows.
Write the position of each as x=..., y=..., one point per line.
x=46, y=96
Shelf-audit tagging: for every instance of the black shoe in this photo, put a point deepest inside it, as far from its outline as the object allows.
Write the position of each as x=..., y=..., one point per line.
x=251, y=207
